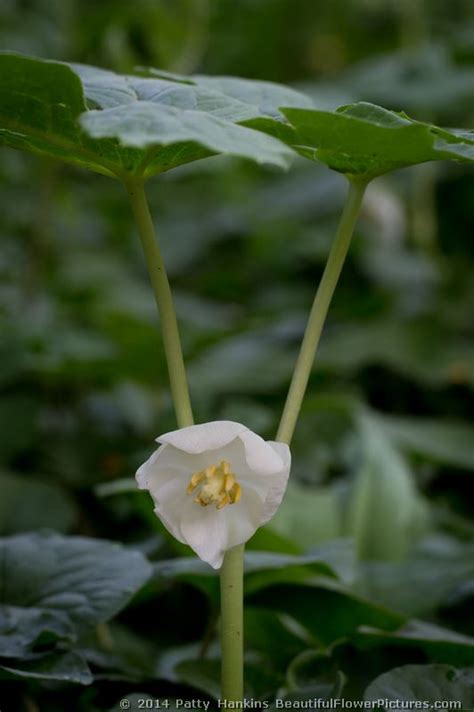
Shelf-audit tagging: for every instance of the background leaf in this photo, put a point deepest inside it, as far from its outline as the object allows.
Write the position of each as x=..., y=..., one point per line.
x=385, y=513
x=432, y=683
x=51, y=588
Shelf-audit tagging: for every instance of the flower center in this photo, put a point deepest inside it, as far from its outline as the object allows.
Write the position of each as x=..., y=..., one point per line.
x=215, y=485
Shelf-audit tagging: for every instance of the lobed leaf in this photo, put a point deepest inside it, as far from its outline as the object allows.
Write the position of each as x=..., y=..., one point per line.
x=364, y=140
x=265, y=97
x=122, y=125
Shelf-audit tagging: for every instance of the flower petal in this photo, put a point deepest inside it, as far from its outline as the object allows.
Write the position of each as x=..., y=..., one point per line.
x=205, y=531
x=279, y=481
x=207, y=436
x=169, y=463
x=170, y=499
x=244, y=518
x=161, y=464
x=211, y=532
x=261, y=457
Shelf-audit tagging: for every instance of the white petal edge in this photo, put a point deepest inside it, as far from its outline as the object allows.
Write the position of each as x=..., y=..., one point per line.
x=143, y=472
x=261, y=457
x=164, y=464
x=280, y=481
x=169, y=500
x=196, y=439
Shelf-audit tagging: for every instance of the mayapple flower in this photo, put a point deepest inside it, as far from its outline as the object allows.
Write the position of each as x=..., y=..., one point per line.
x=215, y=484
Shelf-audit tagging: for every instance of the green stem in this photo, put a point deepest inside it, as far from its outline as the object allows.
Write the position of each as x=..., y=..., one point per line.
x=164, y=301
x=231, y=576
x=319, y=311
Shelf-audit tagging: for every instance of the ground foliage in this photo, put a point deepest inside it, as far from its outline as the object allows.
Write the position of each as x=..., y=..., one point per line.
x=362, y=585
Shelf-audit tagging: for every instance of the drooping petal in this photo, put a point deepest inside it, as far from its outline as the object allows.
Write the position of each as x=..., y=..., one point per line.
x=207, y=436
x=169, y=463
x=170, y=524
x=261, y=457
x=279, y=482
x=244, y=518
x=211, y=532
x=204, y=530
x=160, y=465
x=283, y=450
x=170, y=499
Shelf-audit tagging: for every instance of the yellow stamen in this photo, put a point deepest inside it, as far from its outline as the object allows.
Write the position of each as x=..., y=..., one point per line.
x=217, y=485
x=225, y=467
x=236, y=493
x=195, y=480
x=225, y=499
x=229, y=482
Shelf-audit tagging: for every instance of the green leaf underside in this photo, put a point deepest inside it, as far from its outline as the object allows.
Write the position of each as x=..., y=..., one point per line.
x=121, y=125
x=365, y=140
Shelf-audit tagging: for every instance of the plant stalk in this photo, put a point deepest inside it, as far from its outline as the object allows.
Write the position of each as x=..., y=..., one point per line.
x=164, y=301
x=232, y=609
x=319, y=311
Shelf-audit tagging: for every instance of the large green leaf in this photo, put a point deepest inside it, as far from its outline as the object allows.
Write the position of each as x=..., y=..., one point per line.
x=425, y=684
x=64, y=666
x=333, y=559
x=262, y=568
x=51, y=587
x=439, y=644
x=130, y=125
x=264, y=97
x=385, y=512
x=366, y=140
x=326, y=608
x=22, y=630
x=420, y=584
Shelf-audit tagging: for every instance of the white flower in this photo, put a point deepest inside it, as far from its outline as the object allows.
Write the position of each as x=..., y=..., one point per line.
x=215, y=484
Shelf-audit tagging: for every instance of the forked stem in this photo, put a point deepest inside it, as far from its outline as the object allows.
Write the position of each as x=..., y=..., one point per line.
x=164, y=301
x=319, y=311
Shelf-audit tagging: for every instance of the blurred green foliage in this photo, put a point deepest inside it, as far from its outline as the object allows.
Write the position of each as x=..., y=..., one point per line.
x=384, y=448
